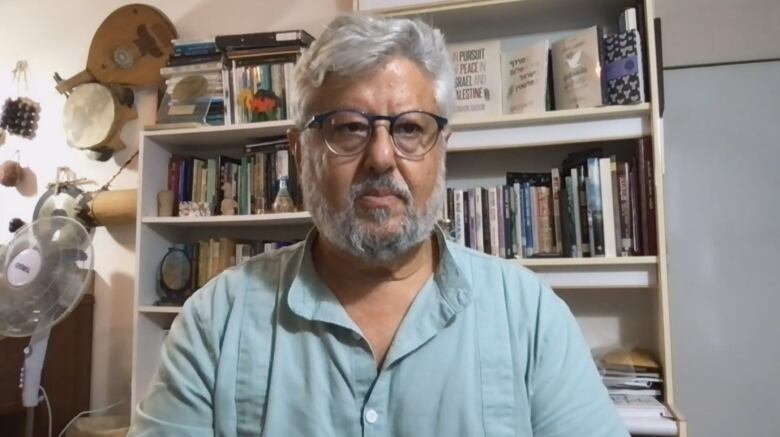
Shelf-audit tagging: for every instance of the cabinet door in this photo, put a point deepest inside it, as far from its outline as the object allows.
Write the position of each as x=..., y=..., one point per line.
x=722, y=205
x=699, y=32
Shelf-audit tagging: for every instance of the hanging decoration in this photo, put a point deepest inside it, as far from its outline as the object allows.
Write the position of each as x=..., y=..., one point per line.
x=20, y=115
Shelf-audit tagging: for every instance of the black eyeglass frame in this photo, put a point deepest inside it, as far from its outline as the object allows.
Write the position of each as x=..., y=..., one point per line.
x=319, y=119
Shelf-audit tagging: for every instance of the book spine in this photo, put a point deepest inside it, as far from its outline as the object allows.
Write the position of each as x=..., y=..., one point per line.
x=647, y=196
x=493, y=201
x=608, y=214
x=173, y=181
x=544, y=220
x=527, y=220
x=567, y=209
x=517, y=212
x=467, y=222
x=585, y=231
x=486, y=220
x=508, y=223
x=624, y=181
x=575, y=213
x=479, y=232
x=460, y=232
x=556, y=202
x=595, y=211
x=613, y=166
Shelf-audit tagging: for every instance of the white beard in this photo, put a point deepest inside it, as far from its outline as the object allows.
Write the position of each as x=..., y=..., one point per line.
x=358, y=235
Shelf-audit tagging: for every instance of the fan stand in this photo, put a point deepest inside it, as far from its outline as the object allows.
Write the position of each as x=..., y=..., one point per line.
x=35, y=353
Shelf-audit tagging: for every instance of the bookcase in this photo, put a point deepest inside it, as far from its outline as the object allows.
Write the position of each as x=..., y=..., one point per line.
x=617, y=301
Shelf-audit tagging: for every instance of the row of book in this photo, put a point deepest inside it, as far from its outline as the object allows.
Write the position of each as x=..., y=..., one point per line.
x=210, y=257
x=588, y=68
x=231, y=79
x=227, y=185
x=594, y=205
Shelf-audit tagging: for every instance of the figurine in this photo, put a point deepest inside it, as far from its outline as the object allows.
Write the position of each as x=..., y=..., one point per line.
x=228, y=205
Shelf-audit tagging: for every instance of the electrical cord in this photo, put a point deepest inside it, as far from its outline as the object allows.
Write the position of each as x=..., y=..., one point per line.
x=48, y=406
x=98, y=410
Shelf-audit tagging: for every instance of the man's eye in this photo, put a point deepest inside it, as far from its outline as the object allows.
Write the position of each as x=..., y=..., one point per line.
x=408, y=128
x=352, y=128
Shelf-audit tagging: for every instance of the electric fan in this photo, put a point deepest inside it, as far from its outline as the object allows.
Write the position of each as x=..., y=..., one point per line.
x=44, y=270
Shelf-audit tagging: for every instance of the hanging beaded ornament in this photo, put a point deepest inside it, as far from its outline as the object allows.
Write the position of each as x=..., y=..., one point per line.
x=20, y=115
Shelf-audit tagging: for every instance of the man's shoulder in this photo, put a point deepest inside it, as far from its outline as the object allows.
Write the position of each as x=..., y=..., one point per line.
x=524, y=294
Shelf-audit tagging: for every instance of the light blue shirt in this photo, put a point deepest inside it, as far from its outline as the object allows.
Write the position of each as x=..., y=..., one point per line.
x=486, y=349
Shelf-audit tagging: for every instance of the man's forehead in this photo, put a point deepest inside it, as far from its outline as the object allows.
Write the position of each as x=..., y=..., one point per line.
x=396, y=82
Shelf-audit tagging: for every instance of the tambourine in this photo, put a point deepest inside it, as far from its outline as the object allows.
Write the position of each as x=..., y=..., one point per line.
x=93, y=118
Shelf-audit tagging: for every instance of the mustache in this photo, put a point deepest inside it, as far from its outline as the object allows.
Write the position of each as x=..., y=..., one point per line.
x=381, y=183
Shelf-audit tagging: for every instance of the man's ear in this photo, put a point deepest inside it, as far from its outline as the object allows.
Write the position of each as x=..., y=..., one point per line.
x=294, y=138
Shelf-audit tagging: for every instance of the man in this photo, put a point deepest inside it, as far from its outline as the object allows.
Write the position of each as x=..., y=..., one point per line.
x=376, y=324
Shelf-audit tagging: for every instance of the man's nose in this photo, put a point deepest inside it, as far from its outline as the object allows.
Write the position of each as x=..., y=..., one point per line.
x=379, y=156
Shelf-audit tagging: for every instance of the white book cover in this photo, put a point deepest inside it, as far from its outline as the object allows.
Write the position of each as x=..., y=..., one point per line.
x=607, y=209
x=480, y=231
x=477, y=78
x=460, y=231
x=524, y=74
x=493, y=214
x=577, y=65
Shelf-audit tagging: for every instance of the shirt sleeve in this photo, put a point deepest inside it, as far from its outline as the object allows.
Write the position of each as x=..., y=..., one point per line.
x=567, y=394
x=179, y=399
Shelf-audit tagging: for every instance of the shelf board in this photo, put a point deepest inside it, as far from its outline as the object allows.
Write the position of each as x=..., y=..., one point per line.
x=276, y=219
x=469, y=134
x=155, y=309
x=569, y=262
x=550, y=128
x=209, y=136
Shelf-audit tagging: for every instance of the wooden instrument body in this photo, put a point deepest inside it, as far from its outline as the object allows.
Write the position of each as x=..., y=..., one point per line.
x=129, y=48
x=116, y=207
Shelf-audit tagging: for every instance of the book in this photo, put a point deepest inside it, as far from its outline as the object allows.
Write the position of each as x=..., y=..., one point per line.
x=607, y=207
x=477, y=78
x=525, y=78
x=647, y=212
x=623, y=71
x=577, y=63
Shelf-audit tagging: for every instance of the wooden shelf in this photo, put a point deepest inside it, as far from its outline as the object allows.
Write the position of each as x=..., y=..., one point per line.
x=568, y=262
x=154, y=309
x=211, y=136
x=275, y=219
x=550, y=128
x=484, y=133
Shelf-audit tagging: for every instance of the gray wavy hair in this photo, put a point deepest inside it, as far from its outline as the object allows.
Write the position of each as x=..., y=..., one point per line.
x=357, y=44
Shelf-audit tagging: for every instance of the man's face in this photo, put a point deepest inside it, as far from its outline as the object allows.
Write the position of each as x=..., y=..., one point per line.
x=377, y=201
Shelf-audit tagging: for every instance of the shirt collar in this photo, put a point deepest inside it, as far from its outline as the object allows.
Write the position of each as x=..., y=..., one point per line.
x=309, y=297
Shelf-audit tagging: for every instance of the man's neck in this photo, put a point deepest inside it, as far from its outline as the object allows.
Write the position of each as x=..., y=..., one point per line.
x=352, y=278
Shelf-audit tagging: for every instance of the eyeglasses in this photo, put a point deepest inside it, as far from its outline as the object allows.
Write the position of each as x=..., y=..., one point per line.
x=348, y=132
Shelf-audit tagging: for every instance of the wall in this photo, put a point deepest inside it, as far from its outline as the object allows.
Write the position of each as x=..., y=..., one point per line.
x=55, y=36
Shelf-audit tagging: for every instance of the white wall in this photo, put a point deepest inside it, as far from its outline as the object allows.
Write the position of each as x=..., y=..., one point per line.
x=55, y=36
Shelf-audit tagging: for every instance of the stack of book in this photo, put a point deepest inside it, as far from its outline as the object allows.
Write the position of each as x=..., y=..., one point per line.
x=593, y=206
x=210, y=257
x=229, y=185
x=194, y=88
x=258, y=71
x=633, y=380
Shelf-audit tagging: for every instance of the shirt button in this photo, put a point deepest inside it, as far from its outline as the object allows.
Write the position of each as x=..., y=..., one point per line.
x=371, y=415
